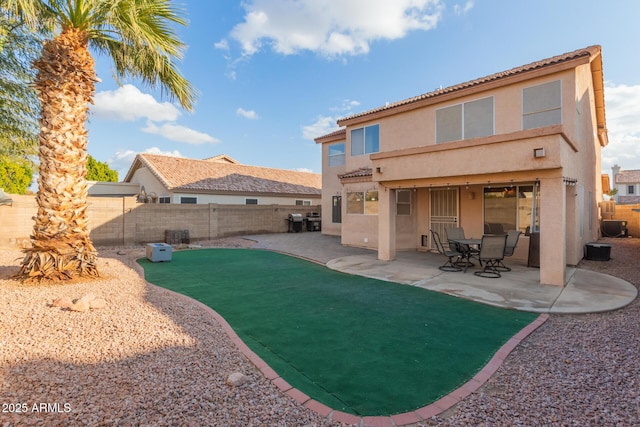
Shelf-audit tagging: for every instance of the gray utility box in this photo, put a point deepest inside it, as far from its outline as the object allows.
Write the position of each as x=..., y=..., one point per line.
x=157, y=252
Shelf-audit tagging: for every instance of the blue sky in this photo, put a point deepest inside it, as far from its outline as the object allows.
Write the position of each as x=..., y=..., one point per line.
x=274, y=74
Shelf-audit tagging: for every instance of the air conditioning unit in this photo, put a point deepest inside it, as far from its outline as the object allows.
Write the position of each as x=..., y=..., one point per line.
x=157, y=252
x=614, y=228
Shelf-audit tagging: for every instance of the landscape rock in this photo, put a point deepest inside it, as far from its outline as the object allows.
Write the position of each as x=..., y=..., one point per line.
x=87, y=298
x=237, y=379
x=62, y=302
x=97, y=303
x=80, y=306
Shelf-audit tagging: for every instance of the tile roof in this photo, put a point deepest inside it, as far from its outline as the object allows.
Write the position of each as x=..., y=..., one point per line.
x=340, y=133
x=630, y=176
x=358, y=173
x=207, y=176
x=586, y=52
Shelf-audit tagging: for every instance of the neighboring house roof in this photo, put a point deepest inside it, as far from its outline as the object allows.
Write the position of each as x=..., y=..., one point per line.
x=207, y=176
x=223, y=158
x=628, y=177
x=589, y=53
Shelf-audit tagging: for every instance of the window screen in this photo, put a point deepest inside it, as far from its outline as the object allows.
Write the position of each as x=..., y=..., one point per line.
x=541, y=105
x=478, y=118
x=449, y=124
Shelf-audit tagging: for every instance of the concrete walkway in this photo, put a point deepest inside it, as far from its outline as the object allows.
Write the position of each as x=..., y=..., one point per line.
x=520, y=289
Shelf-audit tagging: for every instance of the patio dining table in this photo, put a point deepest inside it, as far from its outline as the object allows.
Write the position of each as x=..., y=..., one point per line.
x=465, y=245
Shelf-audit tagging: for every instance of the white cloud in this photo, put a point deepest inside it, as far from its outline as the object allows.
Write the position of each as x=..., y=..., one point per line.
x=303, y=170
x=178, y=133
x=321, y=26
x=461, y=10
x=322, y=126
x=122, y=160
x=127, y=103
x=247, y=114
x=346, y=106
x=327, y=124
x=222, y=45
x=623, y=123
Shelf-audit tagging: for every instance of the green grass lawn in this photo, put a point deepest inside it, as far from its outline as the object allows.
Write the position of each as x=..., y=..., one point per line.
x=359, y=345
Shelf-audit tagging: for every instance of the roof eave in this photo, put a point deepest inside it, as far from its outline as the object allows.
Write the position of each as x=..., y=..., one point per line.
x=483, y=84
x=338, y=135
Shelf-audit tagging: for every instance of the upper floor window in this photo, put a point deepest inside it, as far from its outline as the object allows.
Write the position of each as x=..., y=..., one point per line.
x=542, y=105
x=250, y=201
x=631, y=189
x=164, y=199
x=303, y=202
x=473, y=119
x=365, y=140
x=336, y=154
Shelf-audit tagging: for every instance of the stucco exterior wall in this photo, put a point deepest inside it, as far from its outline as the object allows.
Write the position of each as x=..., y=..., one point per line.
x=567, y=173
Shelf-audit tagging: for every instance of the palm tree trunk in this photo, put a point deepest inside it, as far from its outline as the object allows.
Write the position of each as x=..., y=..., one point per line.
x=61, y=246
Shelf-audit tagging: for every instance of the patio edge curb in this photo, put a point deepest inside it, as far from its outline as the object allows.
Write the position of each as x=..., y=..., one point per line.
x=397, y=420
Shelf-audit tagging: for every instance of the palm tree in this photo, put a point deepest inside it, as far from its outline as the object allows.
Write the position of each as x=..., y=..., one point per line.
x=138, y=36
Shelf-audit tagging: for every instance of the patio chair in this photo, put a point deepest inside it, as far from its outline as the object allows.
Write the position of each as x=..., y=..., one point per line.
x=454, y=233
x=491, y=254
x=451, y=254
x=512, y=241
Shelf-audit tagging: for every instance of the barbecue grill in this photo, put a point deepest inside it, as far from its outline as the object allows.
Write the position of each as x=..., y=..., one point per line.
x=295, y=222
x=314, y=221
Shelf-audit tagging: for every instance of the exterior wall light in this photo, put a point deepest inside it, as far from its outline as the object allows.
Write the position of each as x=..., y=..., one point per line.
x=538, y=152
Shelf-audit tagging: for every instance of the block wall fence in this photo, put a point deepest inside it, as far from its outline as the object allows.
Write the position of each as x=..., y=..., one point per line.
x=120, y=221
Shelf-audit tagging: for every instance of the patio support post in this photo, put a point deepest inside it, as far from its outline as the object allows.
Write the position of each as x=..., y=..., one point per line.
x=553, y=232
x=387, y=224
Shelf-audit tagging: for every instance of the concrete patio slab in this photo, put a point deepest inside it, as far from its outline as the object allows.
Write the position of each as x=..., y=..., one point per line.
x=519, y=289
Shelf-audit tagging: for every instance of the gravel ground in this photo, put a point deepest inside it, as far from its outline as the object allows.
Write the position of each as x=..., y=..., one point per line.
x=151, y=359
x=575, y=370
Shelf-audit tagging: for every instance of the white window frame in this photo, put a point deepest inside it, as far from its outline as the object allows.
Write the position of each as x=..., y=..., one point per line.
x=164, y=200
x=303, y=202
x=364, y=140
x=247, y=199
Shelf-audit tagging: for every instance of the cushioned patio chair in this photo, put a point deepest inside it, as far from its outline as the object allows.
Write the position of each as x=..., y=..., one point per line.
x=512, y=241
x=453, y=256
x=491, y=254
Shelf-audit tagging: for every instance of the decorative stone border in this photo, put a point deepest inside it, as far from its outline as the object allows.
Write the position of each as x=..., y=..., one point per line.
x=397, y=420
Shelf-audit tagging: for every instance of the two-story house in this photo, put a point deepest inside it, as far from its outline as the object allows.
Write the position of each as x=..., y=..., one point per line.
x=627, y=182
x=519, y=149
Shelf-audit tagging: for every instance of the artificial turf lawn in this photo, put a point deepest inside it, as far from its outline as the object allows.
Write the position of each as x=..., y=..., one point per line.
x=359, y=345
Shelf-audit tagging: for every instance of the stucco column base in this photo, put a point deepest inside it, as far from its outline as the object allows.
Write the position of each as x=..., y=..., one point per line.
x=386, y=224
